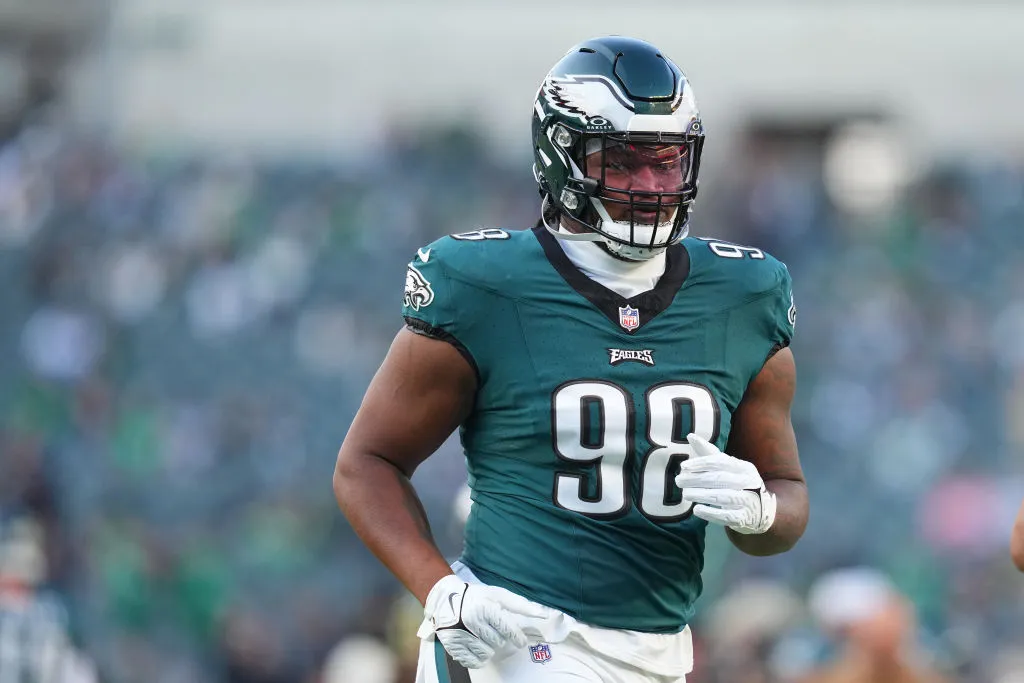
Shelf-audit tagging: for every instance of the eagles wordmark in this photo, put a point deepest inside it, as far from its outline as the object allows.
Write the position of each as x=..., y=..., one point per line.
x=645, y=356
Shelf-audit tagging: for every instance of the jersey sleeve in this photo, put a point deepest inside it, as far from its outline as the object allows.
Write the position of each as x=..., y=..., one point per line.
x=781, y=310
x=430, y=302
x=763, y=325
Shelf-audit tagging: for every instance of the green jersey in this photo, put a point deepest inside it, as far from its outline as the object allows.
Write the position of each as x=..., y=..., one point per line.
x=584, y=402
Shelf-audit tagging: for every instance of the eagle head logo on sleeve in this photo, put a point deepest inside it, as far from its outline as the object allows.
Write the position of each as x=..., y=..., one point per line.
x=418, y=292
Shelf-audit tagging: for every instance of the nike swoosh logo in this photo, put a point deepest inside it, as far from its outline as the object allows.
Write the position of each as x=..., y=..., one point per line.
x=451, y=601
x=424, y=255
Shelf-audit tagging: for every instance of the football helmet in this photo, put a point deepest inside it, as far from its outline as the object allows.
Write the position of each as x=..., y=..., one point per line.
x=622, y=97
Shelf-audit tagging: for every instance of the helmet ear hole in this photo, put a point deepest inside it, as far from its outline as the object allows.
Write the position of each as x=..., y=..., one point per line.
x=563, y=137
x=569, y=199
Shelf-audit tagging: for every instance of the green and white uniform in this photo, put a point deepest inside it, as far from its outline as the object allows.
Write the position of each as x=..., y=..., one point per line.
x=583, y=405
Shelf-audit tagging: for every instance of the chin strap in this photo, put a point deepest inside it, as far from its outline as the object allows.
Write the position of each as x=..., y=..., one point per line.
x=621, y=251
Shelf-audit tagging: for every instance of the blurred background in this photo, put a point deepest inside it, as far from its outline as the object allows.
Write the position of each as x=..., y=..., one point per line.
x=206, y=208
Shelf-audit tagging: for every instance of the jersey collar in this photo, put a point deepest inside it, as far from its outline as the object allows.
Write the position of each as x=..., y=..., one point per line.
x=612, y=304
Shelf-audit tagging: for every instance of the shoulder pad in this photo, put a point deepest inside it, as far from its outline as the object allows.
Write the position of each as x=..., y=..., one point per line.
x=748, y=269
x=476, y=256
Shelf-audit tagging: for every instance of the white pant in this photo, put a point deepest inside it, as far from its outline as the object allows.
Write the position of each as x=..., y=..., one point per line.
x=575, y=653
x=571, y=661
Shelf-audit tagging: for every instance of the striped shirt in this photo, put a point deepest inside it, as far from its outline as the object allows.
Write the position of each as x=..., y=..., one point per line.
x=33, y=640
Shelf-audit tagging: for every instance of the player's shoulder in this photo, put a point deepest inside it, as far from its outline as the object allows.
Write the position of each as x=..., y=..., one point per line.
x=743, y=269
x=484, y=256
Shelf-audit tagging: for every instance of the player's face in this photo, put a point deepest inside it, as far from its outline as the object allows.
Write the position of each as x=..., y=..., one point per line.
x=645, y=170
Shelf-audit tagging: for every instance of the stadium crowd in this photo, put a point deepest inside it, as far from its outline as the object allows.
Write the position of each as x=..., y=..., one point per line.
x=186, y=340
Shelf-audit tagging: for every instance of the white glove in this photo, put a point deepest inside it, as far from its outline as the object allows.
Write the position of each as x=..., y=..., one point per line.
x=725, y=490
x=473, y=621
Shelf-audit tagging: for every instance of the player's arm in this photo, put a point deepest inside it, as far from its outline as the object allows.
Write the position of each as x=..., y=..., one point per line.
x=421, y=393
x=1017, y=540
x=756, y=490
x=762, y=433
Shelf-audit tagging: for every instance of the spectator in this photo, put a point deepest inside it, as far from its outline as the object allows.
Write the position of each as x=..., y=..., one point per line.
x=360, y=658
x=874, y=626
x=33, y=641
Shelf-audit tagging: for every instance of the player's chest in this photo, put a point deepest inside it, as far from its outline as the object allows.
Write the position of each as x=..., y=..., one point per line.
x=596, y=372
x=582, y=342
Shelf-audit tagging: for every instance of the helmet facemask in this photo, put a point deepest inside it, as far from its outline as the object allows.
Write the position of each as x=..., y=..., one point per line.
x=634, y=219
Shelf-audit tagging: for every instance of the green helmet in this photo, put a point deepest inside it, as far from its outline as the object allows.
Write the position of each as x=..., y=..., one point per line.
x=615, y=92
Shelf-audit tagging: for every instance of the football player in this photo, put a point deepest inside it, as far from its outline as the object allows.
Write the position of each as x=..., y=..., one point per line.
x=617, y=385
x=1017, y=540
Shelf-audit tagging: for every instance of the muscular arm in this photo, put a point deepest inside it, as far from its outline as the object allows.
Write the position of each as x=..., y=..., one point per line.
x=421, y=393
x=763, y=434
x=1017, y=540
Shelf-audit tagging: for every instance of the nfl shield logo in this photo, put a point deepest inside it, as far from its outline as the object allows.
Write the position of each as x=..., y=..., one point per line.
x=541, y=653
x=629, y=318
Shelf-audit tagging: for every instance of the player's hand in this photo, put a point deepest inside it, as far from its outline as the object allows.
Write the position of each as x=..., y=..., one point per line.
x=473, y=621
x=725, y=490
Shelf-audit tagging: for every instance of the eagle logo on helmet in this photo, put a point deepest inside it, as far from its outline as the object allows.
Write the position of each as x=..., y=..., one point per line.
x=418, y=292
x=559, y=99
x=574, y=95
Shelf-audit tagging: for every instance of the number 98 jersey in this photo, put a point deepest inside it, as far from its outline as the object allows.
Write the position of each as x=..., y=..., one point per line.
x=583, y=405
